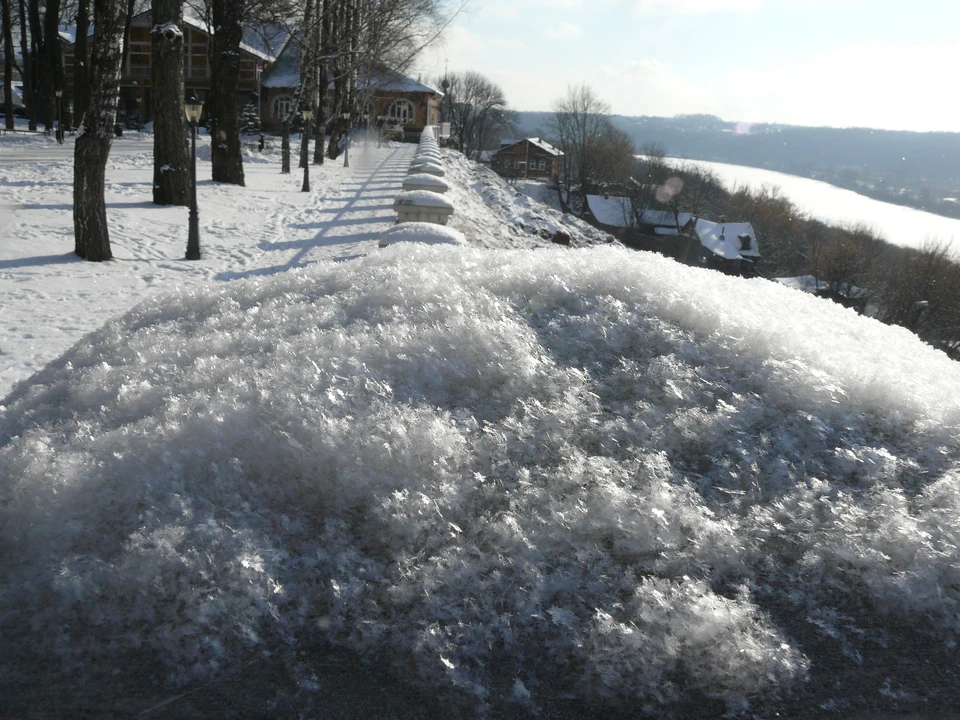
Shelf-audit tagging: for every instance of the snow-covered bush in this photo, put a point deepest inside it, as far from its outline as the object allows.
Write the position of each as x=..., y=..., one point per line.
x=599, y=465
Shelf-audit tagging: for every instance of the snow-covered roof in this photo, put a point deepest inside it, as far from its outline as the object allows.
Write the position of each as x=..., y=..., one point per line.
x=542, y=144
x=545, y=146
x=285, y=73
x=266, y=39
x=727, y=240
x=611, y=210
x=664, y=218
x=263, y=43
x=201, y=25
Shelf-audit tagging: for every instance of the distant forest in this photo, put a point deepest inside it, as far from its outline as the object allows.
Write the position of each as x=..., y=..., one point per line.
x=921, y=170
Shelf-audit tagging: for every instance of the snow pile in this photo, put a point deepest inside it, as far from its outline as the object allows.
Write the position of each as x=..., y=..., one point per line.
x=506, y=469
x=493, y=214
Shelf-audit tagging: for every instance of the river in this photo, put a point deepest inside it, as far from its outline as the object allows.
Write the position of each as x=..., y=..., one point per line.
x=835, y=206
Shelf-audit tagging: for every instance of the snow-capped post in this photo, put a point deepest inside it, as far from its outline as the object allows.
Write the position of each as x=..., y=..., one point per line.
x=171, y=179
x=422, y=206
x=91, y=236
x=193, y=109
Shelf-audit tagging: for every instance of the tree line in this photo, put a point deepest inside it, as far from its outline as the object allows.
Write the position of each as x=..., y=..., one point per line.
x=346, y=44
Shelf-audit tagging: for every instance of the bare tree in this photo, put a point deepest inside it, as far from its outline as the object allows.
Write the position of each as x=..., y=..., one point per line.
x=91, y=236
x=171, y=160
x=595, y=152
x=476, y=110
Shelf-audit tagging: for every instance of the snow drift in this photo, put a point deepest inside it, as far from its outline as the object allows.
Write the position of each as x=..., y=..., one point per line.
x=594, y=465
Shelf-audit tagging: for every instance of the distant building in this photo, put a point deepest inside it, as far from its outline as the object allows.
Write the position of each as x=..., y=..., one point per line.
x=728, y=247
x=256, y=54
x=404, y=103
x=530, y=158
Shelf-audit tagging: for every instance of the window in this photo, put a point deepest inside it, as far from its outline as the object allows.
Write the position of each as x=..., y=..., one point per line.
x=744, y=241
x=543, y=164
x=283, y=106
x=400, y=111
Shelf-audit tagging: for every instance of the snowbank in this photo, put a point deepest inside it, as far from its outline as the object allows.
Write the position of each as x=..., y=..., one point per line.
x=589, y=468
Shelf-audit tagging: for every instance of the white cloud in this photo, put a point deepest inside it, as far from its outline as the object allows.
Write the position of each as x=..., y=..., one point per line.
x=649, y=87
x=563, y=31
x=690, y=7
x=500, y=9
x=508, y=44
x=869, y=85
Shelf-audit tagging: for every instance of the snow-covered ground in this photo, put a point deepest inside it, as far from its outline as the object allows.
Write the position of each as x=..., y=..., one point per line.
x=897, y=224
x=524, y=476
x=51, y=298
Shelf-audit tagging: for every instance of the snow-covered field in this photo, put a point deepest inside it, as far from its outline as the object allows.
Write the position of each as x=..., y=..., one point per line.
x=521, y=476
x=835, y=206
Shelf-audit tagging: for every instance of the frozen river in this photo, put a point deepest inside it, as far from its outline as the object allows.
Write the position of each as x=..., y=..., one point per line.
x=836, y=206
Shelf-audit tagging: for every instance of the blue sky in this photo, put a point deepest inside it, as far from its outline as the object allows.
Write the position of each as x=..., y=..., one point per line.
x=866, y=63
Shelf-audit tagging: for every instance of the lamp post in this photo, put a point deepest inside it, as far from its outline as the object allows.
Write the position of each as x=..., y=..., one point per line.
x=346, y=152
x=379, y=130
x=193, y=108
x=136, y=89
x=59, y=93
x=307, y=117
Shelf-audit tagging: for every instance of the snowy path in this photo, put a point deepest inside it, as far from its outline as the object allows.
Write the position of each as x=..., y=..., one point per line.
x=50, y=298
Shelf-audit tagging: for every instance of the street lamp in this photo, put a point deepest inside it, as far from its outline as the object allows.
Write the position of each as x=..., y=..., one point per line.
x=379, y=130
x=59, y=93
x=307, y=117
x=346, y=152
x=193, y=108
x=136, y=89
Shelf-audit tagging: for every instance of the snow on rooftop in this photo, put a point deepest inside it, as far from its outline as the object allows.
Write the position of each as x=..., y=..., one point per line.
x=611, y=210
x=728, y=240
x=540, y=143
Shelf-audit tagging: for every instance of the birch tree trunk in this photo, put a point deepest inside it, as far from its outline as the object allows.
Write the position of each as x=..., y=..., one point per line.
x=29, y=96
x=307, y=57
x=226, y=152
x=5, y=17
x=171, y=159
x=80, y=68
x=321, y=42
x=91, y=237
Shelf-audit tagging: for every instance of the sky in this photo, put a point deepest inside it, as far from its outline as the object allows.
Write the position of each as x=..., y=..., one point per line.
x=840, y=63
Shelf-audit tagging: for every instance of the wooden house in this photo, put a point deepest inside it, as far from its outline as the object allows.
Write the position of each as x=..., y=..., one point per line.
x=407, y=105
x=530, y=159
x=256, y=55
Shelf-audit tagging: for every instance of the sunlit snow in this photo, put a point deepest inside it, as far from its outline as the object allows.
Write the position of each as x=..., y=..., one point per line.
x=590, y=467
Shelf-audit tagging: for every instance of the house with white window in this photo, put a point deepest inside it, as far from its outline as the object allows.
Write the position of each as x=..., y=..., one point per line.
x=530, y=158
x=404, y=103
